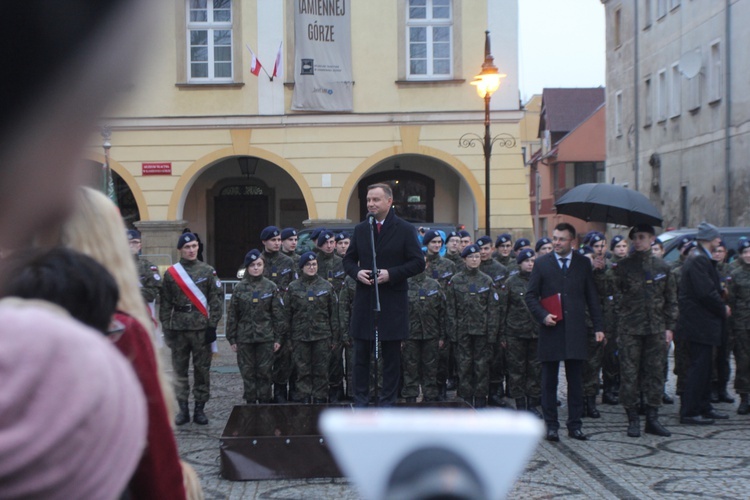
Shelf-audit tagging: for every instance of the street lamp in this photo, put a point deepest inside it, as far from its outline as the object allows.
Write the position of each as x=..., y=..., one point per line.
x=487, y=82
x=107, y=187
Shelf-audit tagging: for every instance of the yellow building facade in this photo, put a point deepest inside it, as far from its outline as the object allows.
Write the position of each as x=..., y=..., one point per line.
x=223, y=153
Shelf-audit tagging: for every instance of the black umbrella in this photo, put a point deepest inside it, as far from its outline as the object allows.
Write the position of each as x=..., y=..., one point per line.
x=608, y=203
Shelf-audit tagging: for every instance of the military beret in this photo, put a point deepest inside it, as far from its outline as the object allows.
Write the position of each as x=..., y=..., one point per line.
x=524, y=254
x=315, y=233
x=431, y=235
x=133, y=234
x=686, y=248
x=452, y=234
x=617, y=239
x=251, y=257
x=594, y=237
x=585, y=250
x=343, y=235
x=520, y=243
x=743, y=244
x=641, y=228
x=484, y=240
x=305, y=258
x=464, y=234
x=324, y=236
x=185, y=238
x=684, y=241
x=471, y=249
x=503, y=238
x=541, y=243
x=587, y=238
x=269, y=232
x=288, y=232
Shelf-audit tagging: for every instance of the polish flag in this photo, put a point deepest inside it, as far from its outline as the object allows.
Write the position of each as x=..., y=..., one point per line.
x=277, y=64
x=254, y=62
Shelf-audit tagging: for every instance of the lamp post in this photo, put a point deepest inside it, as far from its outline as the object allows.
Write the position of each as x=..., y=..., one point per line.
x=487, y=82
x=107, y=185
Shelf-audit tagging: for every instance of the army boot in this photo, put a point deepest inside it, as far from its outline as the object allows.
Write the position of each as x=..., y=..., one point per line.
x=183, y=416
x=198, y=416
x=744, y=407
x=533, y=406
x=521, y=404
x=634, y=423
x=641, y=405
x=653, y=426
x=591, y=410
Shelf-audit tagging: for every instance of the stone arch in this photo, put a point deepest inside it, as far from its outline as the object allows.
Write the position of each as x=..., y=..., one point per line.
x=130, y=180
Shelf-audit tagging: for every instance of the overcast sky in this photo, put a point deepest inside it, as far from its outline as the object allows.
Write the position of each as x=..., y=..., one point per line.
x=561, y=44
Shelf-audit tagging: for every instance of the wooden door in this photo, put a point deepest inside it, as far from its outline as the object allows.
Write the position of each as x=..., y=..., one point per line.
x=239, y=221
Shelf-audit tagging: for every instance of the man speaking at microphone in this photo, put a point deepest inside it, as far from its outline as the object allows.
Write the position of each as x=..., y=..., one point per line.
x=399, y=257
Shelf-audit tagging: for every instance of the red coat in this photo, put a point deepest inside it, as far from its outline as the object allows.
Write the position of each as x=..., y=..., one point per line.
x=159, y=473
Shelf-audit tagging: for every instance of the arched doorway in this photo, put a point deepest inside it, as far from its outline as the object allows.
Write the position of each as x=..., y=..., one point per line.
x=413, y=194
x=123, y=195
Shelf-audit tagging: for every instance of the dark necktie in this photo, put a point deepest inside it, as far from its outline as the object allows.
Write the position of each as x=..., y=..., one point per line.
x=564, y=265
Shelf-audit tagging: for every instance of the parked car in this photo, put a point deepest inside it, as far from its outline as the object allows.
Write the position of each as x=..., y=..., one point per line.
x=730, y=236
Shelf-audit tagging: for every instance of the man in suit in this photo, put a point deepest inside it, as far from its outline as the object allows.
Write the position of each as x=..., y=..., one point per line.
x=399, y=257
x=569, y=274
x=700, y=324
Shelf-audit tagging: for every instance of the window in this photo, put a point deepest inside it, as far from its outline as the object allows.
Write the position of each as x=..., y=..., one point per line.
x=694, y=93
x=618, y=113
x=675, y=94
x=429, y=31
x=648, y=102
x=661, y=96
x=587, y=172
x=209, y=40
x=714, y=72
x=618, y=27
x=648, y=14
x=661, y=8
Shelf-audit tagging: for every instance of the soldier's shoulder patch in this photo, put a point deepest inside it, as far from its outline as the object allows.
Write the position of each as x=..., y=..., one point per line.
x=157, y=277
x=483, y=289
x=496, y=296
x=321, y=292
x=660, y=276
x=266, y=295
x=432, y=292
x=213, y=272
x=286, y=271
x=218, y=283
x=153, y=268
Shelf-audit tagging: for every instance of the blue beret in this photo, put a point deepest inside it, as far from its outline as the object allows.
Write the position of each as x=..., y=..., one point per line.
x=617, y=239
x=431, y=235
x=743, y=244
x=305, y=258
x=324, y=236
x=343, y=235
x=133, y=234
x=269, y=232
x=464, y=234
x=185, y=238
x=503, y=238
x=542, y=242
x=288, y=232
x=484, y=240
x=524, y=254
x=520, y=243
x=452, y=234
x=469, y=250
x=316, y=232
x=250, y=257
x=595, y=237
x=585, y=250
x=684, y=241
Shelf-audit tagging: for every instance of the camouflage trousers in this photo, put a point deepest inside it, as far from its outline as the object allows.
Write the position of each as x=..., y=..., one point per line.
x=592, y=366
x=256, y=362
x=641, y=369
x=498, y=364
x=444, y=362
x=419, y=360
x=311, y=359
x=336, y=366
x=524, y=369
x=742, y=360
x=473, y=354
x=610, y=361
x=282, y=364
x=681, y=361
x=183, y=344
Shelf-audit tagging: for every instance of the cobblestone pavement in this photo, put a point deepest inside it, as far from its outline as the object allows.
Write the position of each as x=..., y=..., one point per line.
x=706, y=461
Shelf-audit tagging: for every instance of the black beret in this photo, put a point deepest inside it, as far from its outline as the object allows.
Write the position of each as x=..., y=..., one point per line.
x=524, y=254
x=541, y=243
x=288, y=232
x=484, y=240
x=306, y=257
x=471, y=249
x=185, y=238
x=269, y=232
x=250, y=257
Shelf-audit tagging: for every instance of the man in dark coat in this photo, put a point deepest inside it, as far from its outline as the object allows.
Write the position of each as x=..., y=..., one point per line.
x=568, y=274
x=399, y=257
x=701, y=320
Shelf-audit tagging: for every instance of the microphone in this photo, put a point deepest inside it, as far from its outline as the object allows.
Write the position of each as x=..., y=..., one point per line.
x=371, y=218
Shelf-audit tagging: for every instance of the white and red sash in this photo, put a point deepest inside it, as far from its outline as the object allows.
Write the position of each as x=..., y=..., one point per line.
x=189, y=288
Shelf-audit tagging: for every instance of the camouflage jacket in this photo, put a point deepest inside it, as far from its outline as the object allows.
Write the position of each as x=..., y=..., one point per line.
x=646, y=295
x=519, y=322
x=279, y=268
x=441, y=269
x=292, y=255
x=256, y=312
x=472, y=306
x=312, y=309
x=346, y=298
x=176, y=312
x=739, y=296
x=495, y=270
x=509, y=262
x=724, y=275
x=604, y=280
x=149, y=279
x=426, y=309
x=455, y=258
x=331, y=268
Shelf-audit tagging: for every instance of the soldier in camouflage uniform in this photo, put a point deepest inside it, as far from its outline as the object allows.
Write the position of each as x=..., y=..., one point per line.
x=256, y=328
x=148, y=274
x=472, y=316
x=647, y=307
x=739, y=302
x=452, y=252
x=343, y=240
x=312, y=308
x=498, y=363
x=464, y=242
x=504, y=250
x=543, y=246
x=521, y=335
x=281, y=270
x=187, y=330
x=721, y=371
x=619, y=248
x=289, y=243
x=419, y=356
x=346, y=298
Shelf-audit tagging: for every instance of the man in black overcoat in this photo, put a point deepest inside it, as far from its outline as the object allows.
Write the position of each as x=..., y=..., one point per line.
x=700, y=323
x=399, y=257
x=569, y=274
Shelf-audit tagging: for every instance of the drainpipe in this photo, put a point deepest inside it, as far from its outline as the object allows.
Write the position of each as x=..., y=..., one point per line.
x=728, y=114
x=636, y=139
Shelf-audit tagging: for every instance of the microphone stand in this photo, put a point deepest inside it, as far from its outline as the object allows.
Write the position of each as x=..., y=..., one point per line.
x=377, y=301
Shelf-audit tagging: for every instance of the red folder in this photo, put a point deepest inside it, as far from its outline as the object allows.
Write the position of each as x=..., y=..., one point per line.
x=553, y=305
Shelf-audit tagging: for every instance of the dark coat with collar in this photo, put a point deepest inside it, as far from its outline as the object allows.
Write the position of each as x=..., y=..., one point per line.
x=702, y=310
x=568, y=339
x=399, y=252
